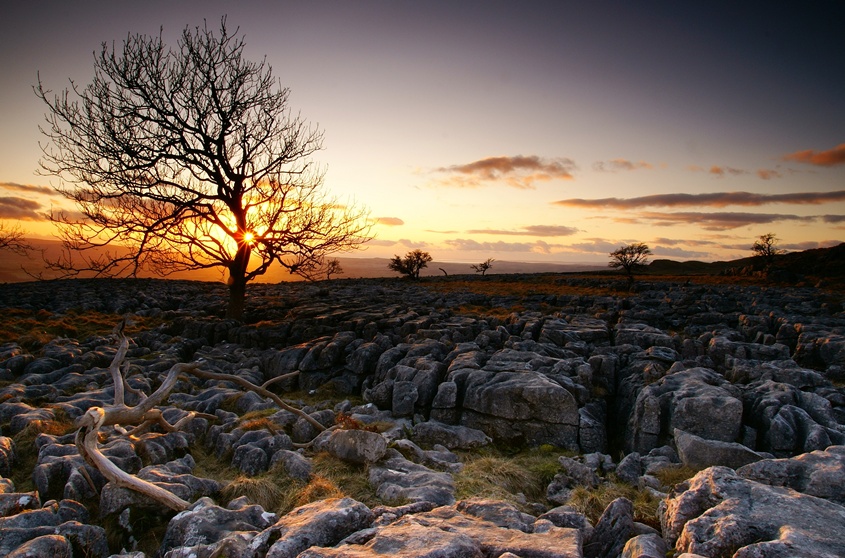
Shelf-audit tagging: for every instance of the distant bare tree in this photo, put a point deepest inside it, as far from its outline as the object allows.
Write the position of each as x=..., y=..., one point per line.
x=333, y=267
x=630, y=258
x=411, y=264
x=12, y=239
x=766, y=247
x=191, y=159
x=483, y=266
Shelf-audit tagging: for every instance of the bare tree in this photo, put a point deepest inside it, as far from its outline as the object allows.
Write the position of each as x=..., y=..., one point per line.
x=189, y=158
x=630, y=258
x=483, y=267
x=333, y=267
x=12, y=239
x=411, y=264
x=766, y=247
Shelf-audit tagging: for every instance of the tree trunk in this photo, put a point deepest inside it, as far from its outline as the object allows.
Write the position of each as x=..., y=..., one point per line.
x=237, y=296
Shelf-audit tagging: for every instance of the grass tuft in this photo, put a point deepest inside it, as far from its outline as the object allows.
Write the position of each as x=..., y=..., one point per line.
x=593, y=501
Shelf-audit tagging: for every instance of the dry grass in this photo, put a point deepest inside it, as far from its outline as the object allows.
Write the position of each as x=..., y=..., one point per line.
x=32, y=329
x=514, y=478
x=593, y=501
x=25, y=449
x=670, y=476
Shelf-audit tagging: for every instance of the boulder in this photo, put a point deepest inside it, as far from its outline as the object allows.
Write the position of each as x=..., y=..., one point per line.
x=698, y=453
x=751, y=519
x=612, y=530
x=356, y=446
x=447, y=531
x=396, y=478
x=450, y=436
x=204, y=525
x=819, y=473
x=322, y=523
x=696, y=400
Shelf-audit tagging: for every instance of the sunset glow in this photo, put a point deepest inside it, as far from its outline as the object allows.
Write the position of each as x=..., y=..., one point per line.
x=539, y=131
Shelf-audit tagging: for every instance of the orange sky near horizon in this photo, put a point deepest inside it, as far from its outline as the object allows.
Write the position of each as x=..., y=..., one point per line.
x=530, y=131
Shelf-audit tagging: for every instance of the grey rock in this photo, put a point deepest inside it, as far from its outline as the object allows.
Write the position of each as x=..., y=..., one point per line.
x=294, y=464
x=397, y=478
x=697, y=453
x=645, y=546
x=55, y=546
x=356, y=446
x=752, y=519
x=323, y=523
x=446, y=532
x=819, y=473
x=612, y=530
x=204, y=524
x=451, y=436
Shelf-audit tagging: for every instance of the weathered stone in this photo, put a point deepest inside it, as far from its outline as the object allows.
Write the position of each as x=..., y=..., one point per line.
x=819, y=473
x=397, y=478
x=356, y=446
x=645, y=546
x=451, y=436
x=445, y=532
x=323, y=523
x=697, y=453
x=205, y=523
x=612, y=530
x=752, y=519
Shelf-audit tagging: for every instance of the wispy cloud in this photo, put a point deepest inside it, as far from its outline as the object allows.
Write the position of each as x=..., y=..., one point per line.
x=684, y=242
x=470, y=245
x=531, y=230
x=674, y=252
x=768, y=174
x=518, y=172
x=834, y=219
x=402, y=243
x=389, y=221
x=719, y=221
x=828, y=158
x=715, y=199
x=20, y=208
x=615, y=165
x=28, y=188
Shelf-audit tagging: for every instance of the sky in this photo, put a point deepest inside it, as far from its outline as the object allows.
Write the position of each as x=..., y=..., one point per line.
x=522, y=131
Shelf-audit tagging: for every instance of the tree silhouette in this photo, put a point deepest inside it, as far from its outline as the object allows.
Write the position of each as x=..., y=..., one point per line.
x=12, y=239
x=189, y=158
x=766, y=247
x=483, y=267
x=411, y=264
x=630, y=258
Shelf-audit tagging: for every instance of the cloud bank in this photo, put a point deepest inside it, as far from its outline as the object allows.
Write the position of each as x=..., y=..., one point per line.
x=28, y=188
x=389, y=221
x=828, y=158
x=615, y=165
x=716, y=199
x=20, y=208
x=531, y=230
x=518, y=172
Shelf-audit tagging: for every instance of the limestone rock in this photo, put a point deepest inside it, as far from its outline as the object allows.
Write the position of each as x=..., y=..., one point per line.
x=751, y=519
x=697, y=453
x=819, y=473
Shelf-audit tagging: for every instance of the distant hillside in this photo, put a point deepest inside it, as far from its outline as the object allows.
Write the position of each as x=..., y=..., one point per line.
x=16, y=268
x=819, y=262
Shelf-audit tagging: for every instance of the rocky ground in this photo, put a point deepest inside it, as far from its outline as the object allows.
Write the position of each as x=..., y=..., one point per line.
x=741, y=386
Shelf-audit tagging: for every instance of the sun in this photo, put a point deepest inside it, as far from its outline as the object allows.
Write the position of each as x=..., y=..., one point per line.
x=249, y=237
